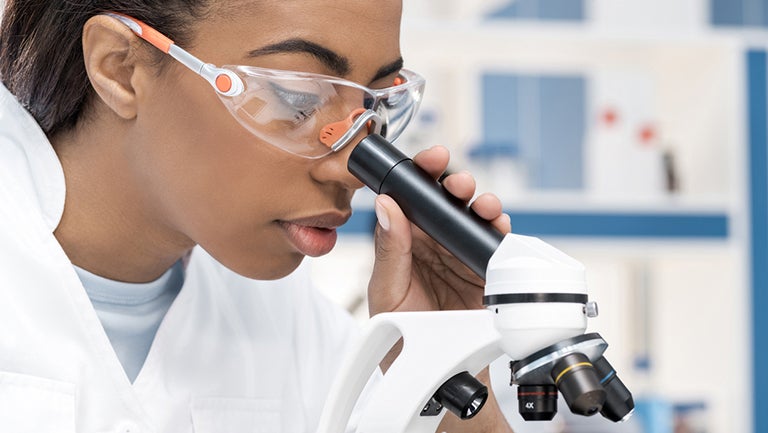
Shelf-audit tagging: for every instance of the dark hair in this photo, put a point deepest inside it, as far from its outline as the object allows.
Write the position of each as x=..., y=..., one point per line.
x=41, y=55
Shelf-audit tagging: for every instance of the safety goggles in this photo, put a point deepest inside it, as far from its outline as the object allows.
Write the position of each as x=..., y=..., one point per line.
x=309, y=115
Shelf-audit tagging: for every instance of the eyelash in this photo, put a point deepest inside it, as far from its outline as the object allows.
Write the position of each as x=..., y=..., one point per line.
x=301, y=115
x=304, y=104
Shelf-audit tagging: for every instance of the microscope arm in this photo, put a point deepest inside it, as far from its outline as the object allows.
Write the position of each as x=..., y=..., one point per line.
x=437, y=346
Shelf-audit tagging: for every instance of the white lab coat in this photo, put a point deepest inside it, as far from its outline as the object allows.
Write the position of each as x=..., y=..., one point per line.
x=232, y=355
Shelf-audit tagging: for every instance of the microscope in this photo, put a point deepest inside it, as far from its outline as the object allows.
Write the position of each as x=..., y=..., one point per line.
x=536, y=313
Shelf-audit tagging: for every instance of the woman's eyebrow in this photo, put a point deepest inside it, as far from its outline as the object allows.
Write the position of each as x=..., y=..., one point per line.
x=389, y=69
x=336, y=63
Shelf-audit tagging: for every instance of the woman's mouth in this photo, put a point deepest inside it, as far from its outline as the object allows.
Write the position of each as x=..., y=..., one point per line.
x=314, y=236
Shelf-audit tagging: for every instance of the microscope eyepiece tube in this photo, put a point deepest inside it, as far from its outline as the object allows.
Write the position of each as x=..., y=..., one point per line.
x=445, y=218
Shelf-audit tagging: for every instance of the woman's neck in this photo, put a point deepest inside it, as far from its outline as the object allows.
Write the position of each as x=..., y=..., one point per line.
x=111, y=227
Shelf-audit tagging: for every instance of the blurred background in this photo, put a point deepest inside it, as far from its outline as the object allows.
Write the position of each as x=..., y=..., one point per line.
x=631, y=134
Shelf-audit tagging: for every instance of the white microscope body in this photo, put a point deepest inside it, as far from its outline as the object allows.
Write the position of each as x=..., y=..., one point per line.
x=525, y=280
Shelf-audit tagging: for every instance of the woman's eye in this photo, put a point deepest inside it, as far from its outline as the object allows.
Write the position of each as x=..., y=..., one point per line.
x=394, y=99
x=302, y=104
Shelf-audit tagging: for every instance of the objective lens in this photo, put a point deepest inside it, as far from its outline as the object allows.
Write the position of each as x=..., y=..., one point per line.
x=537, y=402
x=575, y=377
x=463, y=395
x=618, y=403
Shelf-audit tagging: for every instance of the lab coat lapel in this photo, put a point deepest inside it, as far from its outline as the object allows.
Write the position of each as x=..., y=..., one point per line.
x=50, y=331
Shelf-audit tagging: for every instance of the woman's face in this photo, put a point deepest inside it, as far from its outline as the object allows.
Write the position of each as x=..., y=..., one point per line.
x=256, y=208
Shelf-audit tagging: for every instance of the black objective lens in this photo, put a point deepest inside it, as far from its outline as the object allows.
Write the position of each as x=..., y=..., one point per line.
x=463, y=395
x=618, y=403
x=537, y=402
x=576, y=378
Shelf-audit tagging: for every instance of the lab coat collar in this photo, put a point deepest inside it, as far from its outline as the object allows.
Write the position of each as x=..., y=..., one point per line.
x=21, y=130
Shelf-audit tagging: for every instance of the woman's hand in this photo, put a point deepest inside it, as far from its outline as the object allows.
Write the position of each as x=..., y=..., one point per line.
x=414, y=273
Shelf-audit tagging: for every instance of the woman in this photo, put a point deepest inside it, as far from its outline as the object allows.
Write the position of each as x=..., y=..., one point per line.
x=153, y=224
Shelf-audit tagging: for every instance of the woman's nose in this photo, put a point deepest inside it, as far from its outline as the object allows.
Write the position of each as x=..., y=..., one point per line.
x=333, y=168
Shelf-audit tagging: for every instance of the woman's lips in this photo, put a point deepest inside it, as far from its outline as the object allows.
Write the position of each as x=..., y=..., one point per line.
x=314, y=236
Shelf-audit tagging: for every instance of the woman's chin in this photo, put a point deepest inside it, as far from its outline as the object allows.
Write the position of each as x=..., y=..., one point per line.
x=272, y=269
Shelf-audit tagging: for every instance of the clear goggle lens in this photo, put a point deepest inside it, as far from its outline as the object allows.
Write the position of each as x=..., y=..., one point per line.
x=290, y=109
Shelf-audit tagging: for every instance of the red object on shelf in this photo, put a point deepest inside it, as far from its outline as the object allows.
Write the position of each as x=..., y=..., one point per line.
x=610, y=116
x=647, y=135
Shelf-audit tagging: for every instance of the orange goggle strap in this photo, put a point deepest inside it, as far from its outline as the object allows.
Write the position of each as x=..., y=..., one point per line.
x=225, y=82
x=336, y=135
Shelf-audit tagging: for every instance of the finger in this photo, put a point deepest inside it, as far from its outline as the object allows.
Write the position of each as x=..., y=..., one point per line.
x=502, y=223
x=461, y=184
x=434, y=160
x=392, y=265
x=489, y=207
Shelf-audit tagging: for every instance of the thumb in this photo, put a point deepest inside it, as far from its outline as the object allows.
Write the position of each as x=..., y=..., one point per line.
x=392, y=268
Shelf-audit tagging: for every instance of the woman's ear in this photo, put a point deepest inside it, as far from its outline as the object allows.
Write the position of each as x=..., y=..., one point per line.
x=111, y=63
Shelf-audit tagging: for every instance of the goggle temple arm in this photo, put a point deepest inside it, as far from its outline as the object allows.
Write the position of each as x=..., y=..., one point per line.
x=225, y=82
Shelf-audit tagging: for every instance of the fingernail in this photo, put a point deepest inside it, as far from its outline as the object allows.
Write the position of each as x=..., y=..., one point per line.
x=381, y=215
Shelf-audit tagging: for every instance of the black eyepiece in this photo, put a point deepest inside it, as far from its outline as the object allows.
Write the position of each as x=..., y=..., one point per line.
x=463, y=395
x=446, y=219
x=576, y=378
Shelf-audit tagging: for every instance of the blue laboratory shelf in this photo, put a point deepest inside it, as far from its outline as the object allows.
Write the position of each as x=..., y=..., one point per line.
x=594, y=224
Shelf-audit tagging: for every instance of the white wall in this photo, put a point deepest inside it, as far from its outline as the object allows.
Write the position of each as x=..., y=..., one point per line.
x=651, y=17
